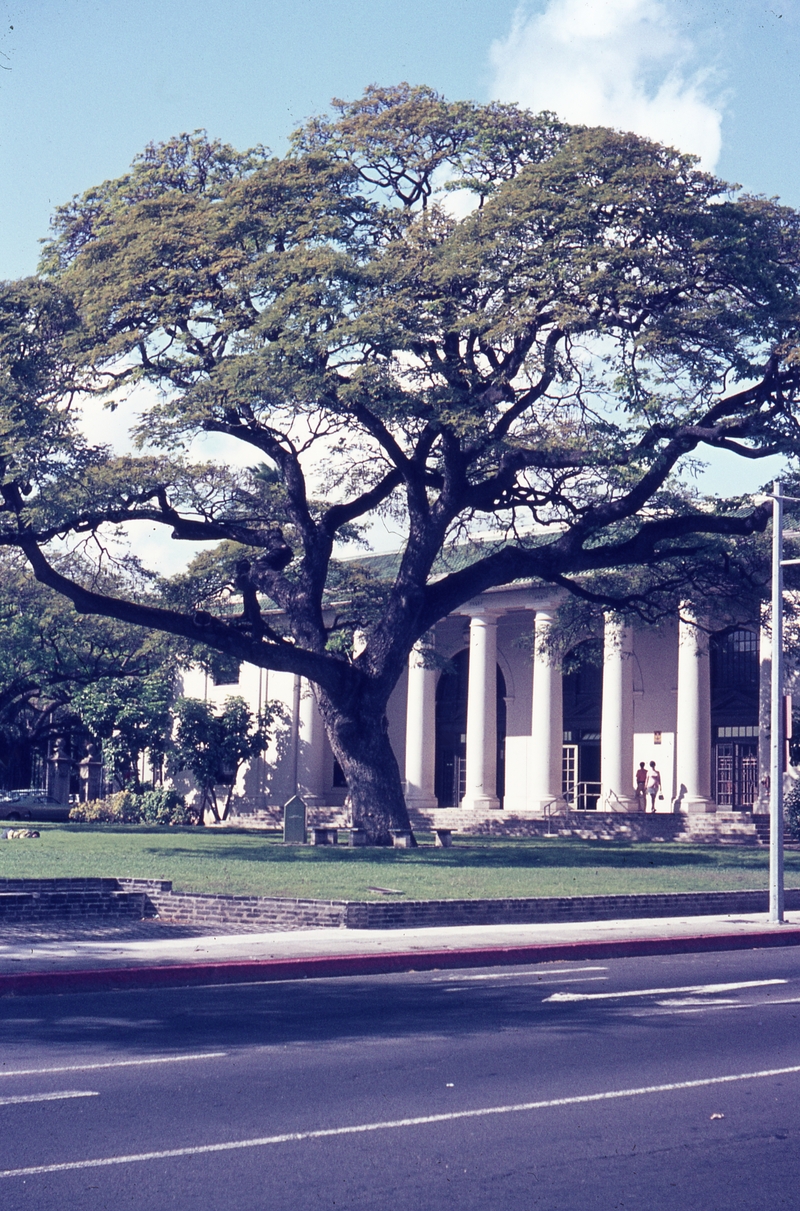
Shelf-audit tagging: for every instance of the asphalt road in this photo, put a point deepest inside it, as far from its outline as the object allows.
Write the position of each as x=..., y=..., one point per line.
x=653, y=1083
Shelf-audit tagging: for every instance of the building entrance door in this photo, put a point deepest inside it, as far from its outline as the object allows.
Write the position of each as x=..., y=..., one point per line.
x=734, y=717
x=736, y=767
x=451, y=732
x=582, y=707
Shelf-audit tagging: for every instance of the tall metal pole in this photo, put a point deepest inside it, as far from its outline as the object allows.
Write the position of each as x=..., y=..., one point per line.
x=776, y=716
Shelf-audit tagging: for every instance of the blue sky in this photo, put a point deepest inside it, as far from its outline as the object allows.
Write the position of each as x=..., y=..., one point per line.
x=87, y=83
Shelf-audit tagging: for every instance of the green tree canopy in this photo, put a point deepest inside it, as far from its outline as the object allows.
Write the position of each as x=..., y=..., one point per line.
x=50, y=659
x=541, y=367
x=129, y=715
x=213, y=745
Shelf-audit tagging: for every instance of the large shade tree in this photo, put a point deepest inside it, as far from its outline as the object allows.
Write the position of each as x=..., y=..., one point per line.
x=540, y=367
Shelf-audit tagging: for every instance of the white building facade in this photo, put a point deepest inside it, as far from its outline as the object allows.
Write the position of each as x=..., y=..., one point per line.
x=493, y=718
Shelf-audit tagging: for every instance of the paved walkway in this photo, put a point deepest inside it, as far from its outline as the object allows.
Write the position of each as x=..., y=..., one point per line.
x=65, y=957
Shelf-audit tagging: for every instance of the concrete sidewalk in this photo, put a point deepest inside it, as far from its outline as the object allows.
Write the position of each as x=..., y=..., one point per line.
x=149, y=955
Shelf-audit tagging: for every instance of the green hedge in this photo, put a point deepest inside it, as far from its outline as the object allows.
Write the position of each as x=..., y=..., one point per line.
x=159, y=806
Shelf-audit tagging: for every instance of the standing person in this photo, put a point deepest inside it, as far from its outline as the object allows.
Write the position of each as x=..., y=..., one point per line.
x=653, y=784
x=641, y=783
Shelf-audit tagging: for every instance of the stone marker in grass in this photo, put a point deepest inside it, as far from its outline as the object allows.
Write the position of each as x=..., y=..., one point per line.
x=294, y=821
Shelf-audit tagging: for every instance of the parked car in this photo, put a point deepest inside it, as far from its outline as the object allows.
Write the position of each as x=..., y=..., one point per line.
x=31, y=805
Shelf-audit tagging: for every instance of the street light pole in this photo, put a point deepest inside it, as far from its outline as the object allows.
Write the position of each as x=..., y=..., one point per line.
x=776, y=715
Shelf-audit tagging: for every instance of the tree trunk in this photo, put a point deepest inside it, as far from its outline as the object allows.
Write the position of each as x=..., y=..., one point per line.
x=360, y=742
x=229, y=798
x=212, y=803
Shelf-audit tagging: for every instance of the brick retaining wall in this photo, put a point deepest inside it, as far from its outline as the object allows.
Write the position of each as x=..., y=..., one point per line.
x=416, y=914
x=251, y=912
x=42, y=899
x=59, y=899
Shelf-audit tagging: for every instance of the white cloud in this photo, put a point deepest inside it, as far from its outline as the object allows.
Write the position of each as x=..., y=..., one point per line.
x=619, y=63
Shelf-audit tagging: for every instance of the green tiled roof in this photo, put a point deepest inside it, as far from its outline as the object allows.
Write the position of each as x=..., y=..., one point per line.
x=452, y=559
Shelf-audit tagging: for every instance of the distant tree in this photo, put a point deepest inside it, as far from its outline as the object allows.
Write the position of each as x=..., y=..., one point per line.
x=213, y=745
x=542, y=367
x=50, y=658
x=129, y=715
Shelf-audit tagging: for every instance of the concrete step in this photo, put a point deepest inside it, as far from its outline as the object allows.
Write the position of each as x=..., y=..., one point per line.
x=763, y=829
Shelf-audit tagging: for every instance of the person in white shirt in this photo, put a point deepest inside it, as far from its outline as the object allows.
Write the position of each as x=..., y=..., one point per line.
x=653, y=785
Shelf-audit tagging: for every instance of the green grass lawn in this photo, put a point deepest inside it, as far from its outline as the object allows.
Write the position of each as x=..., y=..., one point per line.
x=248, y=863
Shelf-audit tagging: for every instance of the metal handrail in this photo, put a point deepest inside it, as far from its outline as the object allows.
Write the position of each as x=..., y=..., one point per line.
x=582, y=793
x=547, y=812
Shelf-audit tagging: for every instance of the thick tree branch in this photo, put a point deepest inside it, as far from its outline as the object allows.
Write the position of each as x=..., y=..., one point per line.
x=199, y=628
x=561, y=558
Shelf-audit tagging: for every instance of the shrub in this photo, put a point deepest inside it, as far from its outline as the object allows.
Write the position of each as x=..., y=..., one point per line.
x=791, y=810
x=160, y=806
x=115, y=809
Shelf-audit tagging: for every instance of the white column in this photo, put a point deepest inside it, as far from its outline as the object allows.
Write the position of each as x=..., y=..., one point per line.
x=693, y=740
x=481, y=779
x=547, y=722
x=616, y=732
x=310, y=749
x=420, y=731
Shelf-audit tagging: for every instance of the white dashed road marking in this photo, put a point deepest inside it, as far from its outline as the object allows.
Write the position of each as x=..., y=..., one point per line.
x=659, y=992
x=157, y=1059
x=47, y=1097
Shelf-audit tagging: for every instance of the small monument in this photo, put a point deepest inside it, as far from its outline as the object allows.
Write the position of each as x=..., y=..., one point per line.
x=294, y=821
x=91, y=774
x=59, y=770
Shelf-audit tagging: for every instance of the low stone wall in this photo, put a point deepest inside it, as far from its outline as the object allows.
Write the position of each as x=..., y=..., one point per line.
x=634, y=826
x=587, y=826
x=719, y=828
x=42, y=899
x=272, y=818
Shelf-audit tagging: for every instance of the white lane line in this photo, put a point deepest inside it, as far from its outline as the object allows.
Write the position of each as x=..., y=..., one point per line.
x=534, y=981
x=654, y=992
x=530, y=982
x=295, y=1137
x=710, y=1006
x=158, y=1059
x=47, y=1097
x=517, y=975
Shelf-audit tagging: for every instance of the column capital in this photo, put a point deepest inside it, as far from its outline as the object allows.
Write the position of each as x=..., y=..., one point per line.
x=690, y=616
x=416, y=657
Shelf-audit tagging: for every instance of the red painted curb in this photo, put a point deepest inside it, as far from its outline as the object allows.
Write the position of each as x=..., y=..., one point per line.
x=265, y=971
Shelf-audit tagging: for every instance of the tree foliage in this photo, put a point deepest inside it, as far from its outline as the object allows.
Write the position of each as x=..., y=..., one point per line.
x=130, y=715
x=50, y=658
x=213, y=745
x=542, y=368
